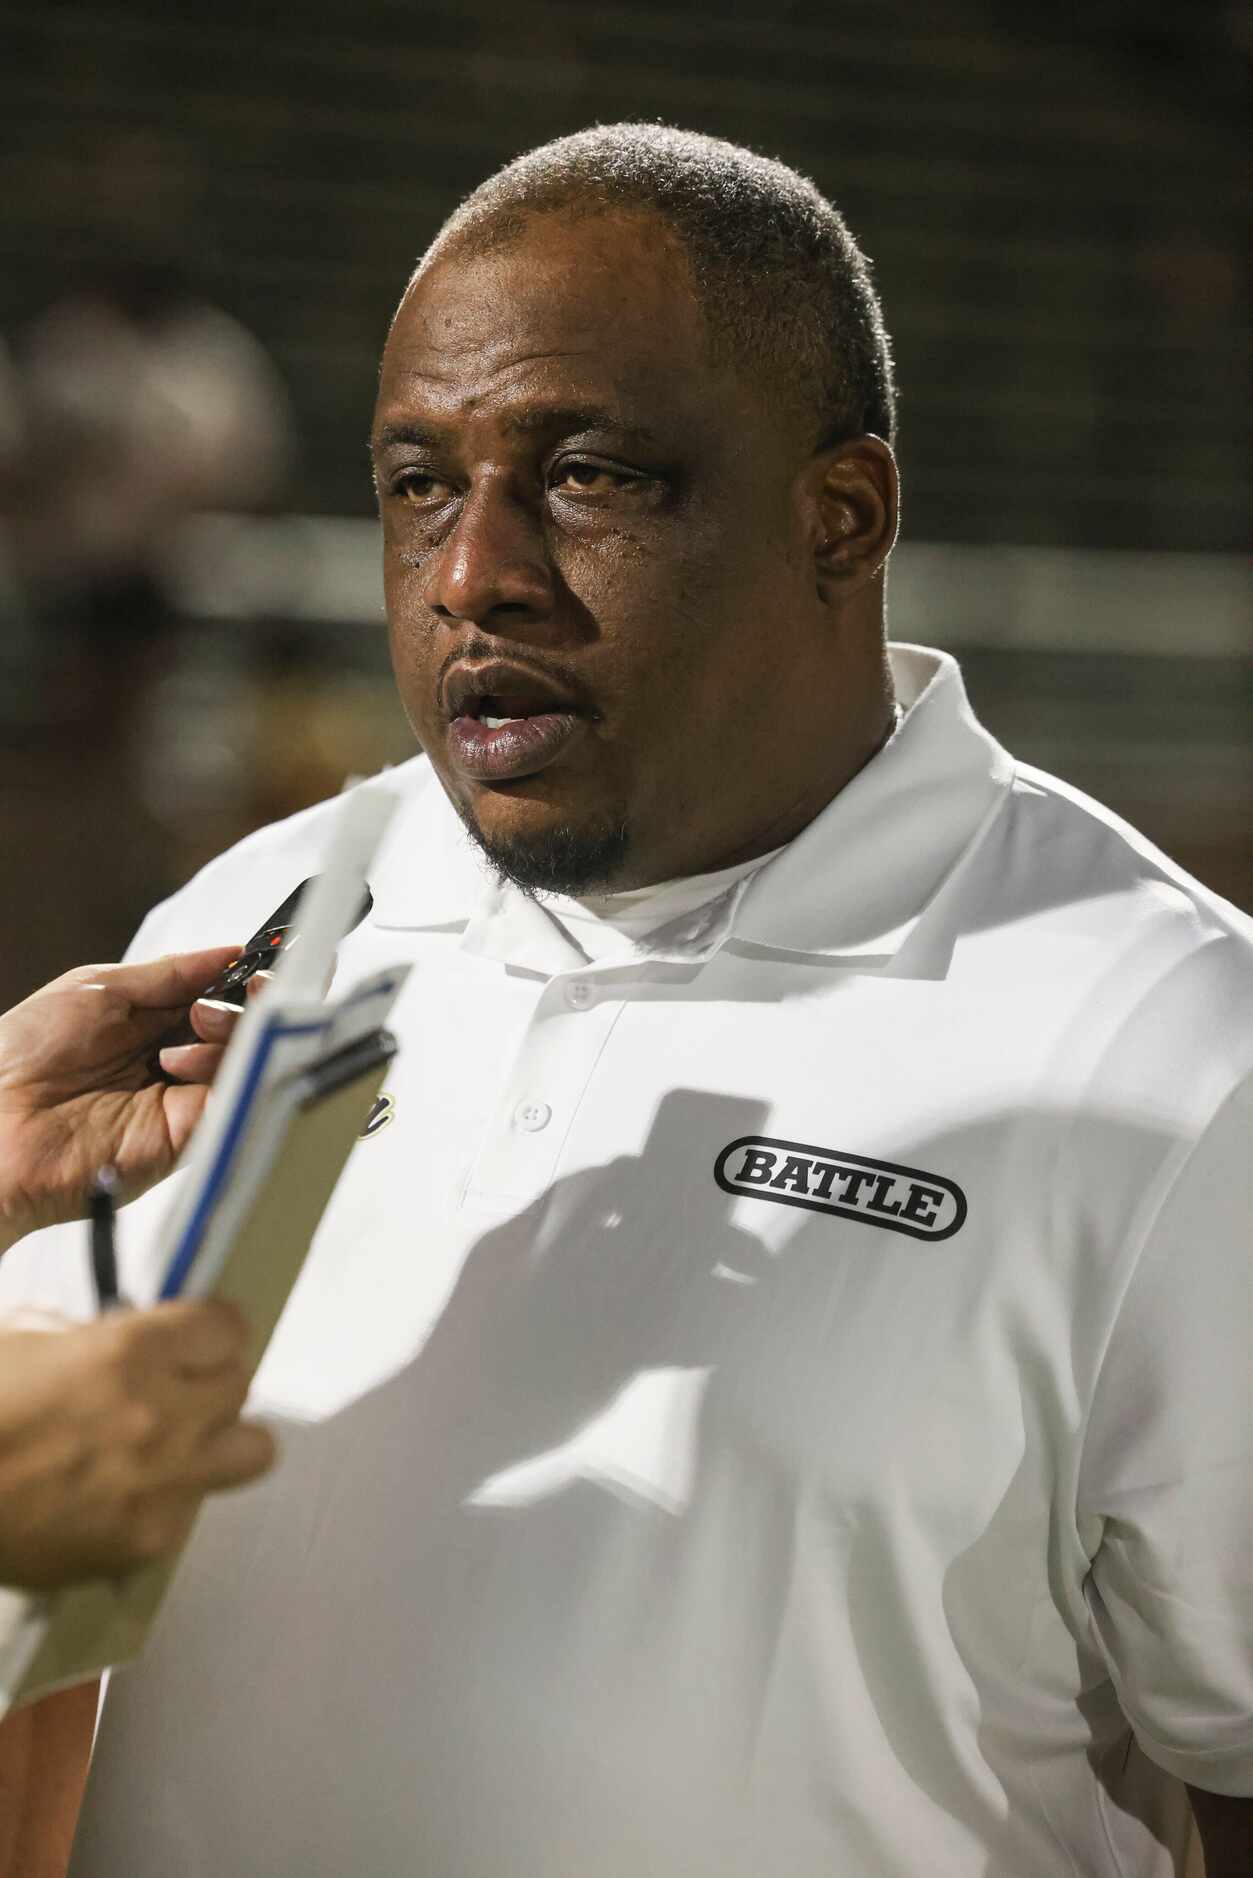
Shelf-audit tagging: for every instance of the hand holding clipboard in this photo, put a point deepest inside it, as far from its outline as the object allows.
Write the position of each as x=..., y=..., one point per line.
x=293, y=1091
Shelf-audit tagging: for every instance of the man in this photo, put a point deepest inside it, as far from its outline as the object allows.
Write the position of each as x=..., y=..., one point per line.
x=762, y=1398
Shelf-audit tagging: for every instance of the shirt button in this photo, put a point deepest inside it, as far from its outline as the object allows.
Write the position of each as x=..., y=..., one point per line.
x=579, y=994
x=532, y=1116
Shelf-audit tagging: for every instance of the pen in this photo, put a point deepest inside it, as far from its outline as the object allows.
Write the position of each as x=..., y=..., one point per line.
x=103, y=1214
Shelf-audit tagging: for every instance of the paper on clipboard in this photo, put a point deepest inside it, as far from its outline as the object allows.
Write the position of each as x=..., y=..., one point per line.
x=292, y=1094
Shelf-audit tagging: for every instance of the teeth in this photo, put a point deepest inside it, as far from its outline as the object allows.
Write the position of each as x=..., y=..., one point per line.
x=494, y=723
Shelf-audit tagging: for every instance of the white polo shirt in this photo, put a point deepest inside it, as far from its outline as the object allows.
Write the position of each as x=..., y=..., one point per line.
x=776, y=1402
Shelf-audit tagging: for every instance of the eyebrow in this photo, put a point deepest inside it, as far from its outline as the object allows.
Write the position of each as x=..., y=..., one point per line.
x=538, y=419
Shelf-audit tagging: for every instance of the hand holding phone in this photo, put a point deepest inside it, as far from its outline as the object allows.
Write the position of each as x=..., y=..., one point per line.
x=260, y=954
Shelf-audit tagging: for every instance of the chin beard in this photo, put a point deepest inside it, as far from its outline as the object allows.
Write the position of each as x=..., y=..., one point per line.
x=564, y=859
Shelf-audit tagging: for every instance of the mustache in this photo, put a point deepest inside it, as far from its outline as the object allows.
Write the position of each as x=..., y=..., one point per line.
x=478, y=648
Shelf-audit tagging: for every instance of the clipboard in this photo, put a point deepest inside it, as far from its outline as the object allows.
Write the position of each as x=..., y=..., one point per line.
x=293, y=1093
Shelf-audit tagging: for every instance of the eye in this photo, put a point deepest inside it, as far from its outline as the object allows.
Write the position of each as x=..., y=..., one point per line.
x=421, y=489
x=579, y=477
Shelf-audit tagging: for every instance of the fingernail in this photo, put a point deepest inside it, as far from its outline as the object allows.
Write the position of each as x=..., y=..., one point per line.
x=212, y=1018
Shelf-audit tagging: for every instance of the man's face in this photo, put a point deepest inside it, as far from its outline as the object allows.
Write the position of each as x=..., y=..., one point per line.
x=601, y=600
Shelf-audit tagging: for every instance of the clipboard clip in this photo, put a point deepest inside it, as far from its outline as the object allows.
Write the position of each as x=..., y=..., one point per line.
x=345, y=1066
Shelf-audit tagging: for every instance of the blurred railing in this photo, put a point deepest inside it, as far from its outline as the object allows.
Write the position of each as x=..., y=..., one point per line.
x=1127, y=674
x=322, y=569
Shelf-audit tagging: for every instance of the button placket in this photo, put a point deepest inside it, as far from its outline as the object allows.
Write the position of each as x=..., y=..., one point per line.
x=556, y=1057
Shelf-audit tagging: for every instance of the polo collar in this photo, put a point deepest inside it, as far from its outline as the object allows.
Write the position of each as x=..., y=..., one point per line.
x=858, y=880
x=427, y=873
x=854, y=884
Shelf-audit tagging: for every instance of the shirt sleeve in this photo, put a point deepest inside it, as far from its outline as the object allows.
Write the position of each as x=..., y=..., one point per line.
x=1168, y=1469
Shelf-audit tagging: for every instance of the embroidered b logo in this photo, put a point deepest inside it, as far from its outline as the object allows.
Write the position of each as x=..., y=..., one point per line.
x=381, y=1112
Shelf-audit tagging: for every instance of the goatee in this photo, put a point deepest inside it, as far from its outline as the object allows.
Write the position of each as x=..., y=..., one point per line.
x=565, y=859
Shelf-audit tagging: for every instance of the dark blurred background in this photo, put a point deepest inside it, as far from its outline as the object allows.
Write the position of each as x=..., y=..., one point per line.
x=206, y=218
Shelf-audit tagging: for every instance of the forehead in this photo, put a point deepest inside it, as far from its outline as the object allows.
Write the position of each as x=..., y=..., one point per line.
x=598, y=309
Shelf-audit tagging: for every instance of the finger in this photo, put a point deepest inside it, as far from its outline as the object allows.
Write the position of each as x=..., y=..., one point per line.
x=214, y=1022
x=258, y=982
x=234, y=1456
x=164, y=983
x=190, y=1411
x=194, y=1337
x=183, y=1104
x=172, y=1415
x=241, y=1453
x=191, y=1062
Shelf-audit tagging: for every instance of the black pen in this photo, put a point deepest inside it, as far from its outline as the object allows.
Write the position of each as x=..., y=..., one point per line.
x=103, y=1215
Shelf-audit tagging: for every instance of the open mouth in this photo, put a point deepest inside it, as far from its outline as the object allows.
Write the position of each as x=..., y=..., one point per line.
x=496, y=711
x=505, y=724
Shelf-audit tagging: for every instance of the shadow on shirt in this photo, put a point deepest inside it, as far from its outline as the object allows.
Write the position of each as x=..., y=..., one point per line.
x=666, y=1516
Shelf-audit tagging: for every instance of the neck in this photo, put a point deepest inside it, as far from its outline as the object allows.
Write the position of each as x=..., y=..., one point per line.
x=786, y=819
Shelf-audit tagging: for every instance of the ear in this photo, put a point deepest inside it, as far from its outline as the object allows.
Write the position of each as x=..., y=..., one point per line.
x=855, y=493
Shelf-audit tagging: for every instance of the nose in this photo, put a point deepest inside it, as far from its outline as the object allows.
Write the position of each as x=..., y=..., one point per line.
x=493, y=569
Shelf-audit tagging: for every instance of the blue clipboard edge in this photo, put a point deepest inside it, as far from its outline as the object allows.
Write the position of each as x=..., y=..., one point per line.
x=184, y=1255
